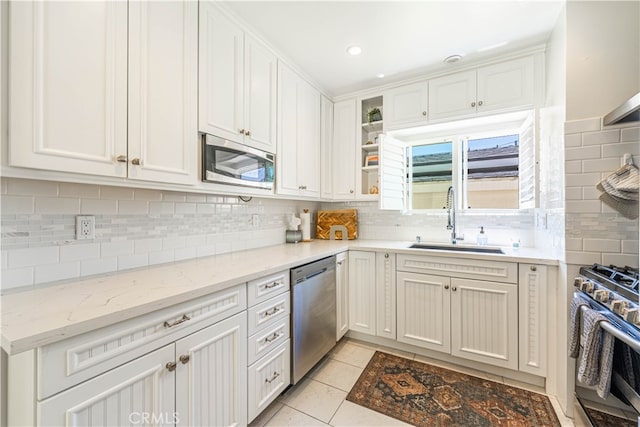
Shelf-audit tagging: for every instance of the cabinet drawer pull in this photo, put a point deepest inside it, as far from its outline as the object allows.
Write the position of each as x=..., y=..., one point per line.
x=272, y=337
x=121, y=159
x=184, y=318
x=424, y=113
x=533, y=268
x=171, y=366
x=473, y=104
x=480, y=103
x=271, y=285
x=248, y=133
x=185, y=359
x=273, y=378
x=271, y=312
x=241, y=131
x=136, y=162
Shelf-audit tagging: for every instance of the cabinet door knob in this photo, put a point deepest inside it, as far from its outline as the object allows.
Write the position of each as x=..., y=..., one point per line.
x=480, y=103
x=351, y=191
x=424, y=113
x=386, y=255
x=121, y=159
x=454, y=289
x=446, y=286
x=473, y=104
x=241, y=131
x=171, y=366
x=185, y=359
x=248, y=133
x=533, y=268
x=339, y=262
x=136, y=162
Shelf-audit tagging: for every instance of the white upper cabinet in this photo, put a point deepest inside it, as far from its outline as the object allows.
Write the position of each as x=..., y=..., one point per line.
x=326, y=148
x=68, y=86
x=163, y=90
x=495, y=87
x=344, y=150
x=237, y=94
x=298, y=165
x=405, y=106
x=69, y=101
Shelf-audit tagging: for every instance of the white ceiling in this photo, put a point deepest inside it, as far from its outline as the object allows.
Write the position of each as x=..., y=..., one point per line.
x=398, y=38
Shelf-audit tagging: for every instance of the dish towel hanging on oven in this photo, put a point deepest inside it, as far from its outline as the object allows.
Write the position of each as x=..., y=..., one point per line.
x=620, y=190
x=574, y=326
x=596, y=361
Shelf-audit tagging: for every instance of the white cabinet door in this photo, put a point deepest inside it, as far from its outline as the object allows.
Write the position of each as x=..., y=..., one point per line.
x=532, y=313
x=260, y=104
x=344, y=150
x=326, y=148
x=362, y=292
x=405, y=106
x=424, y=310
x=122, y=396
x=386, y=295
x=342, y=294
x=163, y=73
x=505, y=85
x=68, y=90
x=221, y=91
x=484, y=322
x=211, y=375
x=298, y=167
x=453, y=95
x=268, y=378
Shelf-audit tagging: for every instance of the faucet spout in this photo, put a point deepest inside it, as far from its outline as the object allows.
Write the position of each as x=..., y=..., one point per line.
x=451, y=215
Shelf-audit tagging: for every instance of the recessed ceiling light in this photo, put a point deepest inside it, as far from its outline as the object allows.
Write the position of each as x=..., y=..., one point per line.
x=452, y=58
x=354, y=50
x=380, y=75
x=493, y=46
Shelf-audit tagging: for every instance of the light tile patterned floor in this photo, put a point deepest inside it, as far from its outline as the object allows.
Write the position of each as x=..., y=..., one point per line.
x=319, y=399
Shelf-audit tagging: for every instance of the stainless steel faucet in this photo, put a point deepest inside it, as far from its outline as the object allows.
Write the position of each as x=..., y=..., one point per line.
x=451, y=215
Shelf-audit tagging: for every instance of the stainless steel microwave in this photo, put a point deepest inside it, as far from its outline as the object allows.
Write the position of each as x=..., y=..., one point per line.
x=228, y=162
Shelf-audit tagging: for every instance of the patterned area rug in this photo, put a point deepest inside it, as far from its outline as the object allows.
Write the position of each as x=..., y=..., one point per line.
x=426, y=395
x=602, y=419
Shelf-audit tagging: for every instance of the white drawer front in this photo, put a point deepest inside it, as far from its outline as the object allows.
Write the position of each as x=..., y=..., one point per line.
x=268, y=377
x=267, y=339
x=268, y=312
x=69, y=362
x=262, y=289
x=496, y=271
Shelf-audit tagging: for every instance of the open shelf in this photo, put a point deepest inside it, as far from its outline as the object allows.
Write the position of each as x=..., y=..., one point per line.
x=370, y=168
x=373, y=126
x=370, y=147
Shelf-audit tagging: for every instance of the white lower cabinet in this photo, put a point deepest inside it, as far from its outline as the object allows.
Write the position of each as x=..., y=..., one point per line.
x=342, y=294
x=268, y=377
x=386, y=295
x=533, y=290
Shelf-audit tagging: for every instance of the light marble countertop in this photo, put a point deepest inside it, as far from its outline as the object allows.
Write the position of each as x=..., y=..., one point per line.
x=48, y=314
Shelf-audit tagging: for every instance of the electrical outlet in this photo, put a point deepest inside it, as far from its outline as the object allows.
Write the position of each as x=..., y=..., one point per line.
x=85, y=227
x=255, y=220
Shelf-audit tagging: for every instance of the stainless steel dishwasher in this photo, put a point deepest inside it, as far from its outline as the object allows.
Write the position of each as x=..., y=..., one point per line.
x=314, y=314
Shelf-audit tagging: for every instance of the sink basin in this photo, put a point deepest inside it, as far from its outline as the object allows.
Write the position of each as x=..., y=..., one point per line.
x=457, y=248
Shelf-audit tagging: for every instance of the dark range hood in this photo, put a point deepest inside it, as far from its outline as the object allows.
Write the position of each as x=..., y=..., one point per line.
x=627, y=112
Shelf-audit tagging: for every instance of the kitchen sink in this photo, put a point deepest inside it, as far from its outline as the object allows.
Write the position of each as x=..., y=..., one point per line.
x=457, y=248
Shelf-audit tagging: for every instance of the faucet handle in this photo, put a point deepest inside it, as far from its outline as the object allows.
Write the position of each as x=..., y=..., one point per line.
x=418, y=239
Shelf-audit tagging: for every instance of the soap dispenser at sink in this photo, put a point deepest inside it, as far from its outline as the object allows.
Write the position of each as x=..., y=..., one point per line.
x=482, y=239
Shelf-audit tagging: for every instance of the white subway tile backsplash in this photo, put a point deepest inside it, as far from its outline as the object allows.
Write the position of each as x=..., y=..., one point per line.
x=573, y=193
x=195, y=241
x=32, y=256
x=629, y=246
x=196, y=198
x=582, y=153
x=17, y=277
x=630, y=135
x=147, y=245
x=116, y=247
x=50, y=205
x=582, y=206
x=206, y=250
x=161, y=257
x=585, y=125
x=3, y=186
x=602, y=137
x=174, y=242
x=583, y=258
x=133, y=207
x=573, y=166
x=54, y=272
x=79, y=252
x=601, y=165
x=572, y=244
x=17, y=205
x=601, y=245
x=143, y=194
x=98, y=207
x=574, y=140
x=161, y=208
x=4, y=258
x=85, y=191
x=169, y=196
x=205, y=208
x=185, y=253
x=620, y=259
x=583, y=179
x=590, y=193
x=618, y=150
x=28, y=187
x=90, y=267
x=185, y=208
x=116, y=193
x=126, y=262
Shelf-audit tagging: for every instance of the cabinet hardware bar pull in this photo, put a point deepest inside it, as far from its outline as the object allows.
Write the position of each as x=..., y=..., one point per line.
x=136, y=162
x=272, y=337
x=271, y=312
x=185, y=359
x=171, y=366
x=121, y=159
x=241, y=131
x=271, y=285
x=273, y=378
x=248, y=133
x=184, y=318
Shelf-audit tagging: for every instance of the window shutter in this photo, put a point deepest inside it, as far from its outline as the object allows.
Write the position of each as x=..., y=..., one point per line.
x=393, y=174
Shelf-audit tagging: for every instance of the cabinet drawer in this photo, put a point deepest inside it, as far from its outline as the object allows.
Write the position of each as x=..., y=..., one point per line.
x=267, y=339
x=496, y=271
x=262, y=289
x=268, y=312
x=268, y=377
x=69, y=362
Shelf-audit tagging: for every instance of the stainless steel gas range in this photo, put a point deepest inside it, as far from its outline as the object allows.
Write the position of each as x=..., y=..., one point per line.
x=614, y=291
